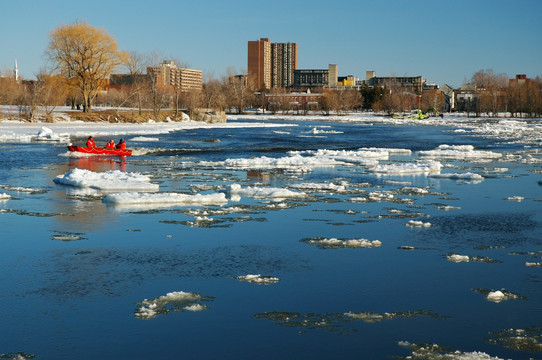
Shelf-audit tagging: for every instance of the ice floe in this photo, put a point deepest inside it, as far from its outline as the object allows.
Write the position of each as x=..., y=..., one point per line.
x=528, y=339
x=334, y=243
x=108, y=181
x=458, y=258
x=262, y=192
x=437, y=352
x=335, y=322
x=316, y=187
x=176, y=301
x=515, y=198
x=458, y=176
x=459, y=152
x=127, y=198
x=407, y=168
x=497, y=296
x=258, y=279
x=416, y=223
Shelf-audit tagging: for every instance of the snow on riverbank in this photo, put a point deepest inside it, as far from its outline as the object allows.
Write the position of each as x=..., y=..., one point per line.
x=62, y=131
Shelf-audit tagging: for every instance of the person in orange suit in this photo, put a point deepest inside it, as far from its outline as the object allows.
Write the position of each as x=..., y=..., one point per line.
x=110, y=144
x=121, y=145
x=90, y=142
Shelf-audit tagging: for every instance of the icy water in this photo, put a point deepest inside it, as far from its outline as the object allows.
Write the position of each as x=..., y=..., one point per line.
x=359, y=256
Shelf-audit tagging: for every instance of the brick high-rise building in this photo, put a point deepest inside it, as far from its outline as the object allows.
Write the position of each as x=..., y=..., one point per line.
x=271, y=65
x=259, y=63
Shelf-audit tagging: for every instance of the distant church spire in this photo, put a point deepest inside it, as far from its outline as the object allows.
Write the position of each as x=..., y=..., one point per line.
x=16, y=71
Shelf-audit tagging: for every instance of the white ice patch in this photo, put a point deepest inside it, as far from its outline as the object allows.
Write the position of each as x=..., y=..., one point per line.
x=258, y=279
x=174, y=301
x=4, y=197
x=330, y=187
x=408, y=168
x=109, y=180
x=315, y=130
x=515, y=198
x=495, y=296
x=46, y=134
x=416, y=223
x=144, y=138
x=260, y=192
x=459, y=176
x=165, y=198
x=458, y=258
x=339, y=243
x=459, y=152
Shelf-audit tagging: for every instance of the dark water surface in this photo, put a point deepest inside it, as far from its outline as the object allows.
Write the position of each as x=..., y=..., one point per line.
x=75, y=271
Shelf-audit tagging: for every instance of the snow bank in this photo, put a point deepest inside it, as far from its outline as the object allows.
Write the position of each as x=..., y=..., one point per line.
x=18, y=131
x=110, y=180
x=164, y=198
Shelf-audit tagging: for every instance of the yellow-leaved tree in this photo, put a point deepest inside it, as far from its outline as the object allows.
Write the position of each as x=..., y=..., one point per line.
x=87, y=55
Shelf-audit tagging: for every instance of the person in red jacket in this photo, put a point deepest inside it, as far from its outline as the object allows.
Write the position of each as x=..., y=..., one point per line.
x=110, y=144
x=90, y=142
x=121, y=145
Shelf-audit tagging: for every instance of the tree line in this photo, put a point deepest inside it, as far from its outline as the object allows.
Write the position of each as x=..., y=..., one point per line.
x=82, y=59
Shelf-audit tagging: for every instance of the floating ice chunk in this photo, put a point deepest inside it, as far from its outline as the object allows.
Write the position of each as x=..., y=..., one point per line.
x=258, y=279
x=515, y=198
x=282, y=162
x=315, y=130
x=495, y=296
x=458, y=258
x=418, y=223
x=165, y=198
x=144, y=138
x=459, y=152
x=195, y=307
x=458, y=176
x=408, y=168
x=176, y=301
x=110, y=180
x=257, y=192
x=434, y=351
x=46, y=134
x=333, y=243
x=320, y=187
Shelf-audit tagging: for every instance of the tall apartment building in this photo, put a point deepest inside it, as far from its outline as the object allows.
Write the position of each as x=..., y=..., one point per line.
x=259, y=63
x=170, y=76
x=283, y=64
x=271, y=65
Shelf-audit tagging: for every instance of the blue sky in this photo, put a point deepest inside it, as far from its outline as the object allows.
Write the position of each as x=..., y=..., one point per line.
x=445, y=42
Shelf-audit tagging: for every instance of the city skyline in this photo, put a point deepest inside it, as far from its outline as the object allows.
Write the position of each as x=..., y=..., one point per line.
x=444, y=43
